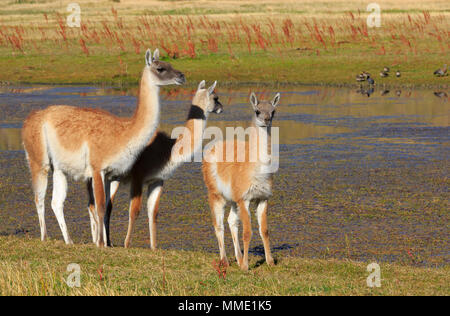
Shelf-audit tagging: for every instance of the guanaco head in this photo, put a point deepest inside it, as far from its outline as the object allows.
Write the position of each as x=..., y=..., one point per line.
x=207, y=99
x=264, y=110
x=162, y=73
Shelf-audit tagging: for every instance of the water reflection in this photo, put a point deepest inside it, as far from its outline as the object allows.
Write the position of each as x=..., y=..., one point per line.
x=10, y=139
x=365, y=91
x=305, y=112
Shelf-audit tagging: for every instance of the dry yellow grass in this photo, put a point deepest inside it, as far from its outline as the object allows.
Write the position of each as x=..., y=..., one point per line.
x=311, y=7
x=30, y=267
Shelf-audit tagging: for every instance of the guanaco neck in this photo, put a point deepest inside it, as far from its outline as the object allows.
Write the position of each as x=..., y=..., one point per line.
x=262, y=135
x=146, y=117
x=192, y=142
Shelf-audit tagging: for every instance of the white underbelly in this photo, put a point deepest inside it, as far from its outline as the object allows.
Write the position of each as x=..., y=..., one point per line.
x=73, y=163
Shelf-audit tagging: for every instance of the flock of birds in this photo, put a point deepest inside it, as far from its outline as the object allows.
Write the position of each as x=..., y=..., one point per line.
x=365, y=76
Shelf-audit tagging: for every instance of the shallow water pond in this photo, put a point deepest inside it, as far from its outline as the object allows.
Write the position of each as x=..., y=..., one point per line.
x=363, y=174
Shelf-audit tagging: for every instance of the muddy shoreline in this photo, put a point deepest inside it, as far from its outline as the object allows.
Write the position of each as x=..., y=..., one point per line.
x=360, y=178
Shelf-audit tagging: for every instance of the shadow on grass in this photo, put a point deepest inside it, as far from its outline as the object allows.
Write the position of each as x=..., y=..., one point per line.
x=262, y=261
x=259, y=250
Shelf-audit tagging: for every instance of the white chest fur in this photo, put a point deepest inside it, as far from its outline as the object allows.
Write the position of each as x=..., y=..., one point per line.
x=261, y=187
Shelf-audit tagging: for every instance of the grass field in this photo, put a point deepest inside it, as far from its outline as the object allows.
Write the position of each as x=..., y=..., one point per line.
x=265, y=42
x=309, y=42
x=30, y=267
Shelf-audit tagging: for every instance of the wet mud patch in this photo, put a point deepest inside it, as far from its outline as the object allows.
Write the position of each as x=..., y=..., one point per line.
x=360, y=178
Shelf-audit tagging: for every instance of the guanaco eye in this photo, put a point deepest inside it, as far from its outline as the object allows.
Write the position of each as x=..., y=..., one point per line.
x=160, y=69
x=257, y=112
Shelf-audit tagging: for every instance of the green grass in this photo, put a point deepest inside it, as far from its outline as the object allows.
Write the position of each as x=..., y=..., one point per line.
x=30, y=267
x=296, y=68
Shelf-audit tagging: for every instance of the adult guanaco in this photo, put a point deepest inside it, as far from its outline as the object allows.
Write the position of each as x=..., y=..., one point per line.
x=242, y=181
x=162, y=156
x=92, y=144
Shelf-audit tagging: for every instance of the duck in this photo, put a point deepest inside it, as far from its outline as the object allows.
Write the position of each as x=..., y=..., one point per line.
x=386, y=69
x=384, y=74
x=441, y=94
x=398, y=74
x=370, y=80
x=384, y=92
x=441, y=72
x=398, y=92
x=360, y=77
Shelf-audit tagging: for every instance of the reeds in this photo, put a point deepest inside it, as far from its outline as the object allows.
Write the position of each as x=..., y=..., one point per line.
x=191, y=36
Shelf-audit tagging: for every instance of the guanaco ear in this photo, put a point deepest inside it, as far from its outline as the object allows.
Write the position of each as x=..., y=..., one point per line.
x=276, y=99
x=201, y=85
x=148, y=57
x=156, y=55
x=254, y=101
x=211, y=89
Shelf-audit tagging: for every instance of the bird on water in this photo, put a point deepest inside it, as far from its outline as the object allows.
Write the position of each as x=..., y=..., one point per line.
x=441, y=72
